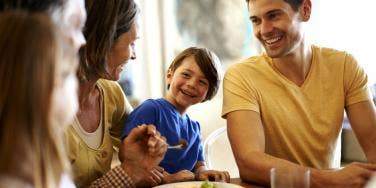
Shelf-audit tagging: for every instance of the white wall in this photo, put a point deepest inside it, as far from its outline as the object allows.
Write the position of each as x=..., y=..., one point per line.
x=346, y=25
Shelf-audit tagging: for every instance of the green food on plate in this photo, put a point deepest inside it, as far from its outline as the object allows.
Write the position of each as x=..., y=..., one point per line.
x=207, y=184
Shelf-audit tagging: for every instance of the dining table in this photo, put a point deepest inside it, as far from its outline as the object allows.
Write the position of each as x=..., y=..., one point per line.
x=238, y=181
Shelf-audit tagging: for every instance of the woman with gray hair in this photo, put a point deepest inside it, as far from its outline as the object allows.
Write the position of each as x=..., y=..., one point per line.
x=111, y=30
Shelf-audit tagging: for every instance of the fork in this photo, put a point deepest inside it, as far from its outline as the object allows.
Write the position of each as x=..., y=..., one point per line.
x=181, y=145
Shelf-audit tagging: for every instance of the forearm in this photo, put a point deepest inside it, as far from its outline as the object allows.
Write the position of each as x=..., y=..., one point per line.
x=362, y=118
x=371, y=151
x=255, y=167
x=367, y=140
x=323, y=178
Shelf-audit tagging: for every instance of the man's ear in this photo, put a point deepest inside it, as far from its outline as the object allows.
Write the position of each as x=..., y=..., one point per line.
x=306, y=10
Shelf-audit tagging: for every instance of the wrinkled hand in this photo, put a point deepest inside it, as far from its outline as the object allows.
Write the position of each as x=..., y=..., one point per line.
x=353, y=175
x=143, y=177
x=213, y=175
x=183, y=175
x=141, y=152
x=144, y=145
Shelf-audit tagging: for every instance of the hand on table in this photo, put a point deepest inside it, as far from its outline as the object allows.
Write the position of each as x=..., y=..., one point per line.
x=142, y=177
x=183, y=175
x=353, y=175
x=213, y=175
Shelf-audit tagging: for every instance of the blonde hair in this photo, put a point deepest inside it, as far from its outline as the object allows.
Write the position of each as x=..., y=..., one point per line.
x=31, y=144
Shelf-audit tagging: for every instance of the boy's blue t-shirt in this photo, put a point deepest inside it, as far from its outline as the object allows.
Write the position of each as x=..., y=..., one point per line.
x=174, y=126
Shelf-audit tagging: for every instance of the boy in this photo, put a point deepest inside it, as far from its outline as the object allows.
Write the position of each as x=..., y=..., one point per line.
x=193, y=77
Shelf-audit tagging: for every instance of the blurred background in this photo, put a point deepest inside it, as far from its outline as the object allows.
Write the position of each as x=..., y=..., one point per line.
x=169, y=26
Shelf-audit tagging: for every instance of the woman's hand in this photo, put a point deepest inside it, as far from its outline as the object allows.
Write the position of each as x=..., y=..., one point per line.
x=213, y=175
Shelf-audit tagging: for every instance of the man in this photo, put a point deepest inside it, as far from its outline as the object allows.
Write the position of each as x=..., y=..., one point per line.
x=284, y=108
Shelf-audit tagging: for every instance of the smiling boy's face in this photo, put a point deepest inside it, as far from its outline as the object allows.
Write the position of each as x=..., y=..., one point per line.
x=188, y=85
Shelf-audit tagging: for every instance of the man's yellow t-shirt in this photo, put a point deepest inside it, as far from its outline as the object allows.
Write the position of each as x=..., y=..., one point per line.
x=301, y=124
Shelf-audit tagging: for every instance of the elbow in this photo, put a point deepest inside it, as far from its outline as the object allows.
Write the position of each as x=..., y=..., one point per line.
x=371, y=151
x=253, y=176
x=245, y=176
x=244, y=167
x=251, y=171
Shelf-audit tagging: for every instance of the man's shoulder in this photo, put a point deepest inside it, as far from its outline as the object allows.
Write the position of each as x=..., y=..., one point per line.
x=327, y=52
x=253, y=62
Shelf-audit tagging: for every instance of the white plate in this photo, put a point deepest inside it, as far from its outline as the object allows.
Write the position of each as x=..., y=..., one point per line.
x=197, y=184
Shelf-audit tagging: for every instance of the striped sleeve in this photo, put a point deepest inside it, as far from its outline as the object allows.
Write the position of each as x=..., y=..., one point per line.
x=116, y=177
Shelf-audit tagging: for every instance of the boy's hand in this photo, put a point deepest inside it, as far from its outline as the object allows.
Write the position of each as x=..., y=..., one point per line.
x=213, y=175
x=183, y=175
